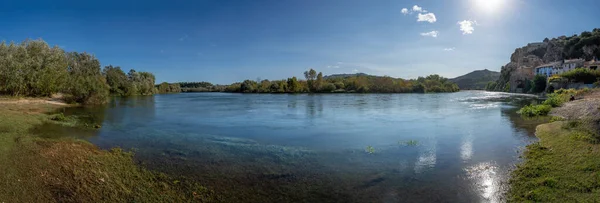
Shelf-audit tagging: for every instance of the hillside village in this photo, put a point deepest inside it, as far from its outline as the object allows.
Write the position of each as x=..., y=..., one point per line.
x=550, y=58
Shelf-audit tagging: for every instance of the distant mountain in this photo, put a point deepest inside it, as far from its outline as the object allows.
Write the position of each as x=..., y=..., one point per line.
x=476, y=80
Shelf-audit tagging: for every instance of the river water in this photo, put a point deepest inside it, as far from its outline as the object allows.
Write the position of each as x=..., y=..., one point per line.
x=455, y=147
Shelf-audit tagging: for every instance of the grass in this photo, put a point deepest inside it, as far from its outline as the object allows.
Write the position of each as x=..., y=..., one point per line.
x=555, y=99
x=564, y=166
x=67, y=170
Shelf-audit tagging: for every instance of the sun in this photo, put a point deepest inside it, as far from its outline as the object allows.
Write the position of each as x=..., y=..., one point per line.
x=489, y=6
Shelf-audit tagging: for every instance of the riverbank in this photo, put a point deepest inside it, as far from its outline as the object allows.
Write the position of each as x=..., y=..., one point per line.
x=36, y=169
x=564, y=166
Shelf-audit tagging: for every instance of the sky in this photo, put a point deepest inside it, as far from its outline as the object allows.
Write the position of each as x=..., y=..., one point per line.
x=227, y=41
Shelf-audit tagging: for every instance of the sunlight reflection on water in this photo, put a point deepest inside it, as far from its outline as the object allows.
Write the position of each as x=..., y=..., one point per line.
x=486, y=179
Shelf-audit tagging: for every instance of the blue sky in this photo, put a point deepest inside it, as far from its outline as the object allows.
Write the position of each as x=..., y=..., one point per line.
x=227, y=41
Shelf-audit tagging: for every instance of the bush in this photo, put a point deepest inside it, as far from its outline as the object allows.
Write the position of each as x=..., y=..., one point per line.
x=535, y=110
x=584, y=75
x=539, y=83
x=507, y=87
x=58, y=117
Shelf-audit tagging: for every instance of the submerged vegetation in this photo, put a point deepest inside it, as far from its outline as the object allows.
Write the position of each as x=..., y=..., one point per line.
x=32, y=68
x=65, y=170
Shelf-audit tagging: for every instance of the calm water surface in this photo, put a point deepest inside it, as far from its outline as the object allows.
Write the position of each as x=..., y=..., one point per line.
x=456, y=147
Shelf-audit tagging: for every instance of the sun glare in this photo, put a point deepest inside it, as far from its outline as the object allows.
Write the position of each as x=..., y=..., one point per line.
x=490, y=6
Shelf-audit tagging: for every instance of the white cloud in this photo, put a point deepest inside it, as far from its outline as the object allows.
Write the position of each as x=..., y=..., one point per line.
x=429, y=17
x=333, y=66
x=404, y=11
x=430, y=34
x=467, y=26
x=355, y=71
x=449, y=49
x=416, y=8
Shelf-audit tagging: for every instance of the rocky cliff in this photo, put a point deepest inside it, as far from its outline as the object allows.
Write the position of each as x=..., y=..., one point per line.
x=524, y=60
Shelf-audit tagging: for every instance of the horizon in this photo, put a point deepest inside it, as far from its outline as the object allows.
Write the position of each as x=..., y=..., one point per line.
x=226, y=42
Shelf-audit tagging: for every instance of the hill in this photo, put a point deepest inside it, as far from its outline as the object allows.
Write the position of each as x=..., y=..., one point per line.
x=476, y=80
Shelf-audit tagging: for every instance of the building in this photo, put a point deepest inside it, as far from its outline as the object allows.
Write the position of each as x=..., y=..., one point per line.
x=547, y=69
x=568, y=65
x=559, y=67
x=593, y=64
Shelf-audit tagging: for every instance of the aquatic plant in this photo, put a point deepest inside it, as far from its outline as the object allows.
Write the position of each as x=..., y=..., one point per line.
x=409, y=143
x=370, y=149
x=58, y=117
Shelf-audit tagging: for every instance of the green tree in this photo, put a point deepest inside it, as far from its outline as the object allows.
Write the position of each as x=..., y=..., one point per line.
x=491, y=86
x=293, y=85
x=86, y=83
x=248, y=86
x=539, y=83
x=319, y=82
x=117, y=80
x=507, y=87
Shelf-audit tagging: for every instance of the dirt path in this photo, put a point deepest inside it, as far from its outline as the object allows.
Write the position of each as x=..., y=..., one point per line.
x=52, y=101
x=586, y=107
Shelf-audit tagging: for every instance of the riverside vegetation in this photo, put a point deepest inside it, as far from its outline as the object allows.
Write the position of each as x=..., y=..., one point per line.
x=34, y=69
x=37, y=169
x=564, y=166
x=317, y=83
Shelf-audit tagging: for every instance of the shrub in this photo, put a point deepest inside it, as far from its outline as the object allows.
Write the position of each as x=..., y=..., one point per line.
x=539, y=83
x=507, y=87
x=535, y=110
x=58, y=117
x=584, y=75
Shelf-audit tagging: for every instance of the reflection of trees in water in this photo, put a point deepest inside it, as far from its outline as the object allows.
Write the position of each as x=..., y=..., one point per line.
x=314, y=105
x=130, y=109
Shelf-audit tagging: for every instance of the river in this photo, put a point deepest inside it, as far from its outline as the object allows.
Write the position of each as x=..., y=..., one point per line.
x=452, y=147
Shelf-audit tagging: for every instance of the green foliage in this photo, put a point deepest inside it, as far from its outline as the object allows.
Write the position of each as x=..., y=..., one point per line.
x=142, y=82
x=293, y=85
x=562, y=167
x=556, y=118
x=370, y=149
x=32, y=68
x=535, y=110
x=118, y=81
x=539, y=83
x=168, y=88
x=87, y=84
x=358, y=83
x=528, y=86
x=507, y=87
x=491, y=86
x=582, y=46
x=584, y=75
x=58, y=117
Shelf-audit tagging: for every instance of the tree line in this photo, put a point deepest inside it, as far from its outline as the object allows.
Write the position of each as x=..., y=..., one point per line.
x=359, y=83
x=33, y=68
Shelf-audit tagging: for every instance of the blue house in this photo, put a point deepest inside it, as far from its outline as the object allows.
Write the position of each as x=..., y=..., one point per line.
x=547, y=69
